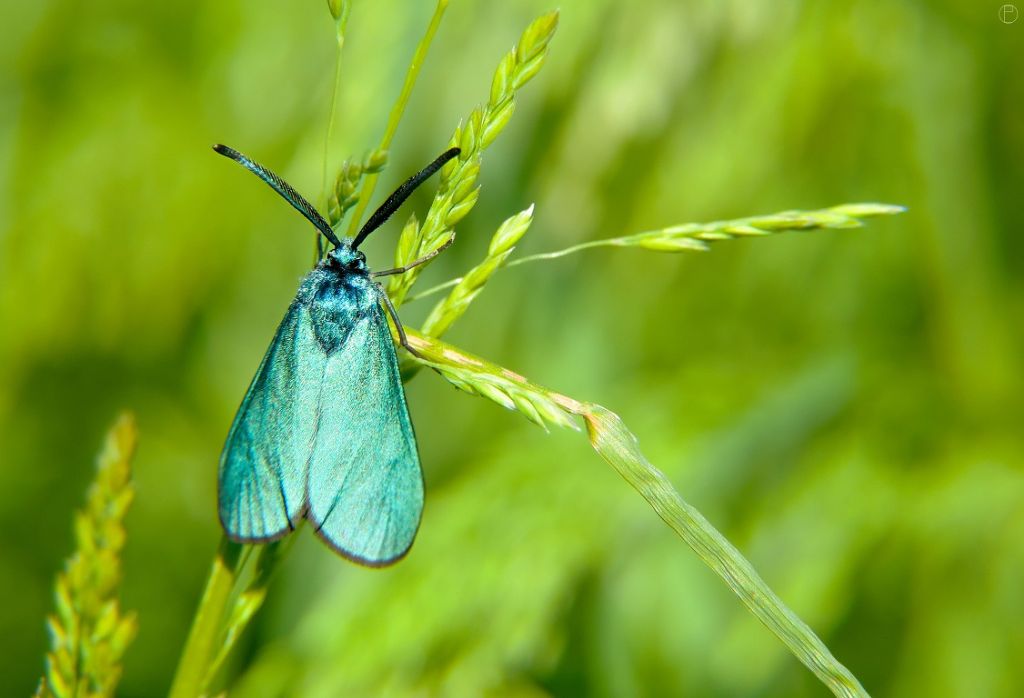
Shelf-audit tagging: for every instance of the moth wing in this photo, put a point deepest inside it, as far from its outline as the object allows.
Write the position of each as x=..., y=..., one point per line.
x=365, y=493
x=262, y=473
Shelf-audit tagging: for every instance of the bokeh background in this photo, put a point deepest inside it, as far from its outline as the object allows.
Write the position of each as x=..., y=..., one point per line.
x=845, y=406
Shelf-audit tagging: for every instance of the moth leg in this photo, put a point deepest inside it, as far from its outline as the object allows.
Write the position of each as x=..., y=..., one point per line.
x=416, y=262
x=402, y=339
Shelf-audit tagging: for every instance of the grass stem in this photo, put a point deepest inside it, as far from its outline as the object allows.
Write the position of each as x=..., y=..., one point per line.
x=397, y=110
x=202, y=645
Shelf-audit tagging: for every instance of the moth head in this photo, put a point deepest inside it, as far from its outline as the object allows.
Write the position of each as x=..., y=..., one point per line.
x=344, y=258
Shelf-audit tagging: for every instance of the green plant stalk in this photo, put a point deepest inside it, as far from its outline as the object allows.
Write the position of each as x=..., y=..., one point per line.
x=397, y=110
x=318, y=243
x=201, y=647
x=695, y=237
x=335, y=89
x=340, y=11
x=249, y=601
x=619, y=448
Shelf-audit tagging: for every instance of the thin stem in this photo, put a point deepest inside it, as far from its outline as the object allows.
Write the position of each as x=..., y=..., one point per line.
x=620, y=449
x=250, y=599
x=610, y=242
x=396, y=112
x=201, y=646
x=330, y=118
x=342, y=22
x=434, y=289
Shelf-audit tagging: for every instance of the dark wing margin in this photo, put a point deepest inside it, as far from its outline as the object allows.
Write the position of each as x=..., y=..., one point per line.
x=284, y=189
x=262, y=473
x=365, y=493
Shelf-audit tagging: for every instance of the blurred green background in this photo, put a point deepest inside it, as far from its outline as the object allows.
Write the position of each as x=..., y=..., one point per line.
x=845, y=406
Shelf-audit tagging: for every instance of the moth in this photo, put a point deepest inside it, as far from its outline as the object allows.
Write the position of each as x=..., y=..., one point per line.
x=323, y=432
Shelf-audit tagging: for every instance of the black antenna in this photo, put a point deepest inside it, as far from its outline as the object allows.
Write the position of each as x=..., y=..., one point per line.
x=284, y=189
x=392, y=203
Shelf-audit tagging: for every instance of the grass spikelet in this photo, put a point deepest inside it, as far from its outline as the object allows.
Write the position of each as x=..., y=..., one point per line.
x=339, y=9
x=345, y=193
x=89, y=633
x=469, y=287
x=476, y=376
x=458, y=191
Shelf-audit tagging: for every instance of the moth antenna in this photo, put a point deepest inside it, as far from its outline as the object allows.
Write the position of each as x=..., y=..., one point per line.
x=399, y=196
x=284, y=189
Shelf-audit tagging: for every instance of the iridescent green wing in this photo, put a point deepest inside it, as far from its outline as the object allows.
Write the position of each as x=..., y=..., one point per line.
x=262, y=475
x=365, y=493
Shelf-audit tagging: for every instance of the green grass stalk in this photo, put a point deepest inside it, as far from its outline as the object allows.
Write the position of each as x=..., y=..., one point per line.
x=340, y=10
x=397, y=110
x=201, y=647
